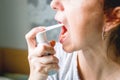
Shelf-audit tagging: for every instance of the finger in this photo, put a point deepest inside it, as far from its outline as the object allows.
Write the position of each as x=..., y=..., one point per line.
x=43, y=50
x=44, y=69
x=51, y=67
x=30, y=36
x=47, y=59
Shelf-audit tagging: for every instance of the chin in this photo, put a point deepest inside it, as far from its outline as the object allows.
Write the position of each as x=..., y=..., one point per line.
x=69, y=49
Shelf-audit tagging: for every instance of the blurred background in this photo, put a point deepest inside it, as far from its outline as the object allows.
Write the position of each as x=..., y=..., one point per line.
x=17, y=17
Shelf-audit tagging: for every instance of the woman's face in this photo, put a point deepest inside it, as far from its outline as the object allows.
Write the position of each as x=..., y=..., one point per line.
x=83, y=21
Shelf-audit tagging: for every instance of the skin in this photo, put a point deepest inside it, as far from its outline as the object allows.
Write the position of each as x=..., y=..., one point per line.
x=84, y=22
x=82, y=26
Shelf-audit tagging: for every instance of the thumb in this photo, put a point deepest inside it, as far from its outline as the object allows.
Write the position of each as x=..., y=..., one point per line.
x=52, y=43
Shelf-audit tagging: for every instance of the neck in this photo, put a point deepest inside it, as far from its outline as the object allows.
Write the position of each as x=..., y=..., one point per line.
x=94, y=62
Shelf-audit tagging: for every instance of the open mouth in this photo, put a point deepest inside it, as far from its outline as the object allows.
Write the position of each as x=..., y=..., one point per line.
x=63, y=34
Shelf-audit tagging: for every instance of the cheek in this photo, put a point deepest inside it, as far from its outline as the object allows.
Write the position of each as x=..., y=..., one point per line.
x=83, y=29
x=78, y=38
x=78, y=25
x=84, y=25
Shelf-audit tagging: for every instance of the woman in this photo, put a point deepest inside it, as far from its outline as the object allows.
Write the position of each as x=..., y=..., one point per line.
x=91, y=38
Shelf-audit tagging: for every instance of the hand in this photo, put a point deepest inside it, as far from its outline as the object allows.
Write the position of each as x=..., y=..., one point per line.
x=40, y=64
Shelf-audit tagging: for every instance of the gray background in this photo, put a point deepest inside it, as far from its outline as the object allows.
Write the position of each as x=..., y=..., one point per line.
x=17, y=17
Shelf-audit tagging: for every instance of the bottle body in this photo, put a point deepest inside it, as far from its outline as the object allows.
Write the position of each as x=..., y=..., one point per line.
x=41, y=39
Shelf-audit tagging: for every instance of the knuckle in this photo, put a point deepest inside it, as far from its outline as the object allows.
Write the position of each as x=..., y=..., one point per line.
x=56, y=59
x=29, y=57
x=44, y=47
x=52, y=58
x=27, y=36
x=33, y=61
x=53, y=66
x=40, y=68
x=38, y=52
x=31, y=54
x=51, y=49
x=56, y=67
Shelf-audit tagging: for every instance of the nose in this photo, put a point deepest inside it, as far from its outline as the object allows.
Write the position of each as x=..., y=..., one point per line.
x=57, y=5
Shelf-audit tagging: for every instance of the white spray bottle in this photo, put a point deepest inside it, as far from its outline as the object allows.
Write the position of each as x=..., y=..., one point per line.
x=42, y=39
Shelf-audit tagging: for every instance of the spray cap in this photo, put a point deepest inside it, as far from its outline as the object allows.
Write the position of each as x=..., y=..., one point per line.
x=41, y=37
